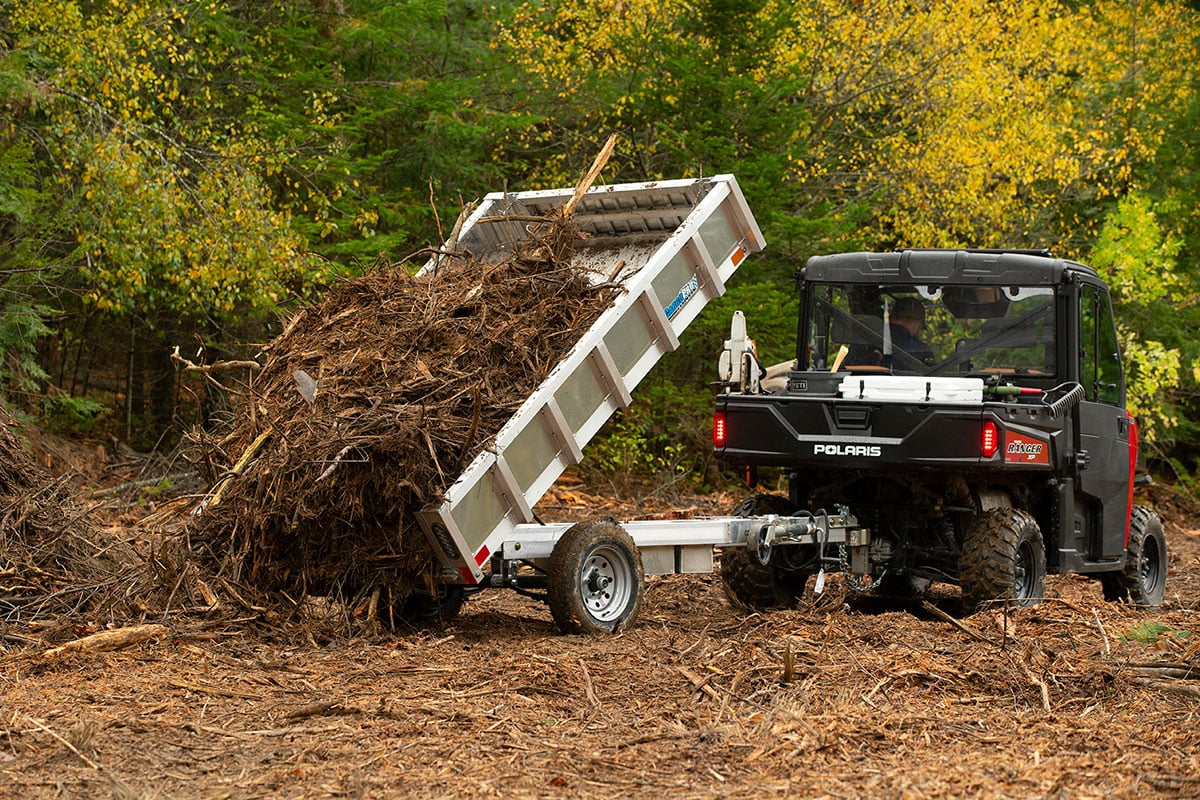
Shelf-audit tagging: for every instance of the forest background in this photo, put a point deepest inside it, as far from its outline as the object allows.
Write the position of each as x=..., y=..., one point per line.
x=182, y=174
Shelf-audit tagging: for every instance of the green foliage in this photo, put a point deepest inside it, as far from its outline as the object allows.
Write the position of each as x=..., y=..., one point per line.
x=181, y=168
x=382, y=112
x=186, y=166
x=167, y=209
x=204, y=147
x=19, y=196
x=1138, y=261
x=1136, y=257
x=626, y=447
x=693, y=89
x=1152, y=631
x=75, y=415
x=21, y=326
x=21, y=375
x=21, y=317
x=664, y=435
x=149, y=494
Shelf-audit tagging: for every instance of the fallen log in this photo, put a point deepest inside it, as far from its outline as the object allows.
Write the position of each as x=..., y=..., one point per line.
x=108, y=640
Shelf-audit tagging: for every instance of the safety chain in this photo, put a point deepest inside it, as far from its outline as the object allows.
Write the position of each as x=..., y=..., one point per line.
x=852, y=581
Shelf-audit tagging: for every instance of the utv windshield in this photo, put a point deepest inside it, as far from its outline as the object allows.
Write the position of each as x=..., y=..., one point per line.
x=929, y=330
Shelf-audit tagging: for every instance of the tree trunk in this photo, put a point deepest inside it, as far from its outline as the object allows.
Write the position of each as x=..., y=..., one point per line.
x=162, y=385
x=135, y=403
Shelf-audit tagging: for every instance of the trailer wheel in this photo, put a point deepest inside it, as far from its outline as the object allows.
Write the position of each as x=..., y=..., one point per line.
x=1143, y=581
x=1003, y=558
x=749, y=584
x=425, y=608
x=594, y=579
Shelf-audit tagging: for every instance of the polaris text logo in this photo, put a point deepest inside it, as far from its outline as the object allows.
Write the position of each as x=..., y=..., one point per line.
x=866, y=450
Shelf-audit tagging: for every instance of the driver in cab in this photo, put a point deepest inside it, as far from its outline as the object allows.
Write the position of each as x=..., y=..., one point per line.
x=907, y=320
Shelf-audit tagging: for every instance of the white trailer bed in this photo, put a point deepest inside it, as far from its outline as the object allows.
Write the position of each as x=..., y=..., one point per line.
x=672, y=245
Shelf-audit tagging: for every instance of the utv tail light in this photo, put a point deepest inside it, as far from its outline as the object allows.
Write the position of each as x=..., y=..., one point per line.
x=719, y=429
x=989, y=440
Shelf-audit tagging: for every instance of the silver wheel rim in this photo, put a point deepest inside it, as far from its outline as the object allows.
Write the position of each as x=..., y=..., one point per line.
x=606, y=583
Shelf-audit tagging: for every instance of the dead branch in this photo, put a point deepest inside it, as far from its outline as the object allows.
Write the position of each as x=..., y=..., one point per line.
x=237, y=468
x=37, y=723
x=322, y=710
x=590, y=176
x=108, y=640
x=216, y=691
x=962, y=626
x=216, y=366
x=1168, y=686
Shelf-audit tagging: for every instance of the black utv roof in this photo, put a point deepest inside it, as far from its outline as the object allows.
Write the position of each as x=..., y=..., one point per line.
x=996, y=267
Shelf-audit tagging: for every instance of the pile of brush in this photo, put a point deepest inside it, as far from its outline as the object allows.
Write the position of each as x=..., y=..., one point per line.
x=370, y=404
x=53, y=560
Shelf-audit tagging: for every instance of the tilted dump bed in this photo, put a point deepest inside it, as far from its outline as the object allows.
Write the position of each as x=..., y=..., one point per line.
x=671, y=245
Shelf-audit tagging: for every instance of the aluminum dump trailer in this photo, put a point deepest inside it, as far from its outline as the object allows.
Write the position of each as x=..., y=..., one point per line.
x=672, y=246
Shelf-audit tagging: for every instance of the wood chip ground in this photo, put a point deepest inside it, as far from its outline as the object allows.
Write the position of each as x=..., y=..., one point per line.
x=1076, y=698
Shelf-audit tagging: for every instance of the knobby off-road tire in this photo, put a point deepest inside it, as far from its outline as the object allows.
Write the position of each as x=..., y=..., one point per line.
x=428, y=608
x=747, y=583
x=1143, y=581
x=1003, y=558
x=594, y=579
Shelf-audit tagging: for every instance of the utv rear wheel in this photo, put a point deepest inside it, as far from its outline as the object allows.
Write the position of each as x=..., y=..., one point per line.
x=747, y=582
x=1143, y=582
x=594, y=579
x=1003, y=558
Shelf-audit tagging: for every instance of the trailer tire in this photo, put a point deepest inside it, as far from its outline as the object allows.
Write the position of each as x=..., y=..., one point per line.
x=594, y=579
x=425, y=607
x=750, y=585
x=1003, y=558
x=1143, y=581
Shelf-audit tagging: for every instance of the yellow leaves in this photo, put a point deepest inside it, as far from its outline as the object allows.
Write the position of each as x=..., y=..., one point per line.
x=557, y=42
x=1154, y=372
x=158, y=238
x=364, y=222
x=319, y=106
x=969, y=116
x=960, y=128
x=117, y=57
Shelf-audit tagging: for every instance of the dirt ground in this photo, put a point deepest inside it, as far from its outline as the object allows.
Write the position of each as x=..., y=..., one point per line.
x=841, y=698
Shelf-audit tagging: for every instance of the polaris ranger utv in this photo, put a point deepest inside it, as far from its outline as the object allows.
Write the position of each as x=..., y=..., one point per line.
x=967, y=409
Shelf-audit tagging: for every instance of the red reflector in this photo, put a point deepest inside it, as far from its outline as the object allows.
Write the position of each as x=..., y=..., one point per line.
x=989, y=440
x=718, y=429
